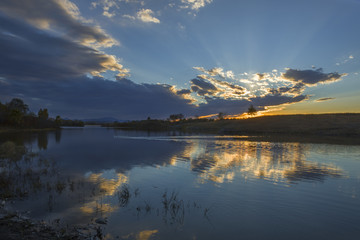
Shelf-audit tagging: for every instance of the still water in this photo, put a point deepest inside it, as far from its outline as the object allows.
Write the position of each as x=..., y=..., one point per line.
x=173, y=186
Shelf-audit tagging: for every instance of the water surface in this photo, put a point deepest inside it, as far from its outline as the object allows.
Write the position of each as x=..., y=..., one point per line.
x=173, y=186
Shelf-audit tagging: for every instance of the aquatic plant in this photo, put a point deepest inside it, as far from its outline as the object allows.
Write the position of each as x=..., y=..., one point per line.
x=123, y=196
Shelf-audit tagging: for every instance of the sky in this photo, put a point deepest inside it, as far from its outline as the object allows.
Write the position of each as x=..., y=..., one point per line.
x=133, y=59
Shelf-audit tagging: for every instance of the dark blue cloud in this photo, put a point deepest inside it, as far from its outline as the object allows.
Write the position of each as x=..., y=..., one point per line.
x=84, y=97
x=236, y=106
x=203, y=87
x=324, y=99
x=28, y=53
x=295, y=89
x=183, y=91
x=60, y=15
x=311, y=77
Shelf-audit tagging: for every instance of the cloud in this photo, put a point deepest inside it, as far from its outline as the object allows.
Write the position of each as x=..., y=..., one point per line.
x=106, y=6
x=202, y=87
x=129, y=17
x=47, y=53
x=58, y=15
x=237, y=106
x=324, y=99
x=223, y=96
x=311, y=77
x=217, y=71
x=195, y=4
x=183, y=92
x=29, y=53
x=261, y=76
x=85, y=97
x=224, y=88
x=273, y=100
x=145, y=15
x=293, y=90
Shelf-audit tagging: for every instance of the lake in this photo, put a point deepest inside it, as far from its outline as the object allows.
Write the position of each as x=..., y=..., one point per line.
x=156, y=185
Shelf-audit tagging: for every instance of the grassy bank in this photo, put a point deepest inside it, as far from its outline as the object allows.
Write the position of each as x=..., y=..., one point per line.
x=314, y=124
x=337, y=125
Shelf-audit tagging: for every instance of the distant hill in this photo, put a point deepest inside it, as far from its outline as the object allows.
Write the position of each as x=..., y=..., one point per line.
x=102, y=120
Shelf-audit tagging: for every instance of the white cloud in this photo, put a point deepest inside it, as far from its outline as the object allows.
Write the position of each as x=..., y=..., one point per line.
x=70, y=7
x=129, y=17
x=145, y=15
x=60, y=16
x=195, y=4
x=230, y=74
x=181, y=27
x=108, y=14
x=107, y=5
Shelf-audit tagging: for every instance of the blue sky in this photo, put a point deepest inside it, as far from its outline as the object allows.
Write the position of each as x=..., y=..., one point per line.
x=131, y=59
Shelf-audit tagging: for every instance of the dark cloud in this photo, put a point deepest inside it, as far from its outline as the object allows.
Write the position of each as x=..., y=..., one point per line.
x=87, y=98
x=203, y=87
x=261, y=76
x=236, y=106
x=33, y=54
x=237, y=88
x=48, y=70
x=183, y=92
x=325, y=99
x=224, y=84
x=227, y=106
x=206, y=85
x=295, y=90
x=311, y=77
x=273, y=100
x=61, y=15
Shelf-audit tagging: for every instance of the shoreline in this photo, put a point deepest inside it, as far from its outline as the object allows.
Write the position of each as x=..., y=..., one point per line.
x=17, y=225
x=15, y=130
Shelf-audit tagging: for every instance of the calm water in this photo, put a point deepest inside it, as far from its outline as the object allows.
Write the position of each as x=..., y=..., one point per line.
x=168, y=186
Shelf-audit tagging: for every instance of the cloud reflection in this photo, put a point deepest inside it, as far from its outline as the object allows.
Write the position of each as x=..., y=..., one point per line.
x=107, y=183
x=221, y=161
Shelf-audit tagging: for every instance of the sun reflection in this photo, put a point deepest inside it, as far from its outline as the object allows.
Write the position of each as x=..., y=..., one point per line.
x=221, y=161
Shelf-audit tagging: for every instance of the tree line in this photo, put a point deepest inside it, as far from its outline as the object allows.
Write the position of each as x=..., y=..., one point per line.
x=16, y=114
x=173, y=122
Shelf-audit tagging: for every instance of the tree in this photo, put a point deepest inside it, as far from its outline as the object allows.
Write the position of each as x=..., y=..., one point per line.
x=16, y=117
x=58, y=121
x=43, y=114
x=176, y=116
x=221, y=115
x=251, y=110
x=2, y=113
x=18, y=104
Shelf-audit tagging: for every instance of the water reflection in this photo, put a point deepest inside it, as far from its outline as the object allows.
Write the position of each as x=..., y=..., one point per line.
x=220, y=161
x=107, y=185
x=147, y=183
x=42, y=140
x=142, y=235
x=26, y=138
